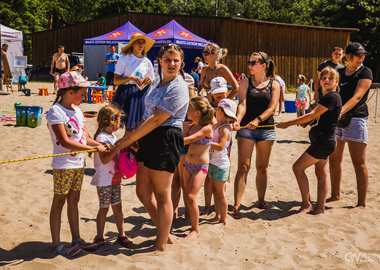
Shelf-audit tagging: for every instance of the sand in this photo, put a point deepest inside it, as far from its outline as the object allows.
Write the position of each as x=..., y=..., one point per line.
x=342, y=238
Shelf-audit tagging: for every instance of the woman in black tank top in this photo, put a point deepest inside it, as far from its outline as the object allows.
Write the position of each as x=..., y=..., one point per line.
x=258, y=98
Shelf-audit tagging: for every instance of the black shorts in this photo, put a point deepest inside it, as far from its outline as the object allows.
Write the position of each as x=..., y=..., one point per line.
x=60, y=71
x=161, y=149
x=109, y=78
x=322, y=145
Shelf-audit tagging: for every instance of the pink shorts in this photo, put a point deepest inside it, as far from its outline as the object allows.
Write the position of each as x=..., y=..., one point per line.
x=191, y=168
x=301, y=103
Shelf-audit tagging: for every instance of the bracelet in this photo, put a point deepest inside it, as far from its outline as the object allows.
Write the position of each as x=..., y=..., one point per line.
x=260, y=119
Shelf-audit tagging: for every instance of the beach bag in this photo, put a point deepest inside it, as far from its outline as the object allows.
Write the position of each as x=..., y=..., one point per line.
x=344, y=120
x=128, y=164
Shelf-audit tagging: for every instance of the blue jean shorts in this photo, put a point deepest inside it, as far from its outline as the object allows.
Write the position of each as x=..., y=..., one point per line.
x=356, y=131
x=257, y=135
x=218, y=174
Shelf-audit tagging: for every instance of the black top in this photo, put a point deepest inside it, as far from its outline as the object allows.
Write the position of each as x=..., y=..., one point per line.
x=329, y=63
x=348, y=86
x=326, y=123
x=257, y=102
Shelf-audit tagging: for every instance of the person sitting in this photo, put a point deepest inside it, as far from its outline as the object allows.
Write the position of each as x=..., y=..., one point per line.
x=101, y=80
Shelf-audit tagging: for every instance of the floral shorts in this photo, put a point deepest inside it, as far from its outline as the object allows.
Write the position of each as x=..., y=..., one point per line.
x=301, y=102
x=66, y=179
x=218, y=174
x=109, y=195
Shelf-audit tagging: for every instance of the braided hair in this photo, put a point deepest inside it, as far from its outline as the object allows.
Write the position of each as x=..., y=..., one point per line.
x=171, y=48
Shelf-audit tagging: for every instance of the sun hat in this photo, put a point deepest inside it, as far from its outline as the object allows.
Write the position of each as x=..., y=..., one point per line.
x=148, y=42
x=355, y=48
x=128, y=164
x=76, y=68
x=71, y=79
x=218, y=85
x=229, y=107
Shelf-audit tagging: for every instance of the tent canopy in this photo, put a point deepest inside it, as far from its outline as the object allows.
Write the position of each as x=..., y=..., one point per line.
x=123, y=33
x=10, y=35
x=173, y=32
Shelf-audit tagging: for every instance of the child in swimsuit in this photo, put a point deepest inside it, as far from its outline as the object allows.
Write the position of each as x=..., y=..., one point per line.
x=301, y=95
x=199, y=138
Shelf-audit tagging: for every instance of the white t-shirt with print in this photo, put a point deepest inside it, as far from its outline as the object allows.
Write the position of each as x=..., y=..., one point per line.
x=73, y=121
x=200, y=66
x=130, y=65
x=106, y=174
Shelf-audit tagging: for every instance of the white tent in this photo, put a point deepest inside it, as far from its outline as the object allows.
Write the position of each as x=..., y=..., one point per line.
x=14, y=39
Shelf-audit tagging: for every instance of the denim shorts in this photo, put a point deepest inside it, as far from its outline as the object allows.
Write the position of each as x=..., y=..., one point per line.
x=257, y=135
x=356, y=131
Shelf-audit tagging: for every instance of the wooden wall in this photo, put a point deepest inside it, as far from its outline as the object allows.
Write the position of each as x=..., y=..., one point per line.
x=295, y=49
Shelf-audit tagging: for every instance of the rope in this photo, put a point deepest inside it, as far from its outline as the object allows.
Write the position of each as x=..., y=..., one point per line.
x=56, y=155
x=377, y=89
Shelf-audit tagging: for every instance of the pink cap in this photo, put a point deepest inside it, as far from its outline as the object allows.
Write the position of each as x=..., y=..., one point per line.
x=72, y=78
x=128, y=164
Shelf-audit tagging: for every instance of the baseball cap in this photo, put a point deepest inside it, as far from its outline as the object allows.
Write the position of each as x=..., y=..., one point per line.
x=189, y=80
x=229, y=107
x=71, y=79
x=355, y=48
x=127, y=164
x=218, y=85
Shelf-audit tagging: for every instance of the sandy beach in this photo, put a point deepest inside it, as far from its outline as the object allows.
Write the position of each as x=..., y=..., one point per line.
x=277, y=238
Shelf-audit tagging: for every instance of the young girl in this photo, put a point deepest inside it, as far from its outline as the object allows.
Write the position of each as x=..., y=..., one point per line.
x=323, y=142
x=219, y=163
x=107, y=178
x=301, y=98
x=199, y=138
x=69, y=134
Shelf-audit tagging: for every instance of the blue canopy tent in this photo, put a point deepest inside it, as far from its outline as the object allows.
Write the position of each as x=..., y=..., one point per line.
x=96, y=48
x=173, y=32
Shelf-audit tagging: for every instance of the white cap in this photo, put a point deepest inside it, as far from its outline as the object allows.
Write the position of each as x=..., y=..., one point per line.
x=229, y=107
x=189, y=80
x=218, y=85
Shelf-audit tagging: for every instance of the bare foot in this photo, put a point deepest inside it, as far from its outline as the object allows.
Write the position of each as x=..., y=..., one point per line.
x=151, y=249
x=333, y=199
x=317, y=211
x=361, y=207
x=263, y=205
x=215, y=219
x=220, y=224
x=236, y=211
x=193, y=234
x=170, y=240
x=305, y=210
x=205, y=211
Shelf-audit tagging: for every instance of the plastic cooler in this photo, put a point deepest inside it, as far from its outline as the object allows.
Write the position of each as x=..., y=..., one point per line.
x=21, y=115
x=34, y=116
x=290, y=106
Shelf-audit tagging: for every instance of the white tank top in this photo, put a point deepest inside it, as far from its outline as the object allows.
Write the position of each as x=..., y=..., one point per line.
x=219, y=158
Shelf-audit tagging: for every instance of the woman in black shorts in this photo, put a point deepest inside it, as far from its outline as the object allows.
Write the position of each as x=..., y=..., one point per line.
x=322, y=136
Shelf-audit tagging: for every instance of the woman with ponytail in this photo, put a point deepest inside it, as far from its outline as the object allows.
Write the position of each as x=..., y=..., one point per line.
x=160, y=140
x=258, y=98
x=212, y=55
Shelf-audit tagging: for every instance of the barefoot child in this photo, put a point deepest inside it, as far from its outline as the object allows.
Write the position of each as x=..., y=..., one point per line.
x=323, y=142
x=69, y=134
x=219, y=163
x=107, y=178
x=301, y=95
x=199, y=138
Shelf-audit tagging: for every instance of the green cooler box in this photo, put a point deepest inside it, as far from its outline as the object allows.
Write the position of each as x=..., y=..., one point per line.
x=34, y=116
x=21, y=113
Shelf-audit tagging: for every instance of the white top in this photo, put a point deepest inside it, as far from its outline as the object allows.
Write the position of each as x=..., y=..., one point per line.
x=280, y=82
x=219, y=158
x=130, y=65
x=200, y=65
x=106, y=174
x=73, y=121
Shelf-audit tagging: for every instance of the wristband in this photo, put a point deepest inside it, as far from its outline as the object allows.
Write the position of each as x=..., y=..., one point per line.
x=260, y=119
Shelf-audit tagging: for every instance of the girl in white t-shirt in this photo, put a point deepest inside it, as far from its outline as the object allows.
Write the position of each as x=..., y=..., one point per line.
x=107, y=178
x=69, y=134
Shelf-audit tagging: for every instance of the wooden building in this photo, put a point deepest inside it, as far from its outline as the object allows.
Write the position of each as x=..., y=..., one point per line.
x=295, y=49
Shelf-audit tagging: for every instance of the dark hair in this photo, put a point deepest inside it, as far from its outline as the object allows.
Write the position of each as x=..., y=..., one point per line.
x=264, y=59
x=99, y=75
x=193, y=70
x=112, y=46
x=60, y=46
x=171, y=48
x=5, y=45
x=202, y=105
x=337, y=48
x=62, y=91
x=302, y=78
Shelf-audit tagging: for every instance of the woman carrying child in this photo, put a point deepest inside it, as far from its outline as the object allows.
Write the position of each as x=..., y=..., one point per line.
x=68, y=133
x=107, y=178
x=161, y=141
x=301, y=95
x=323, y=142
x=219, y=162
x=199, y=138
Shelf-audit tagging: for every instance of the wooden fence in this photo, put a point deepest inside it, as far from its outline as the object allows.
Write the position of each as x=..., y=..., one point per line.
x=295, y=49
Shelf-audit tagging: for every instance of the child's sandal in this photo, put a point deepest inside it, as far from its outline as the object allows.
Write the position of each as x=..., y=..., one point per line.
x=125, y=242
x=101, y=244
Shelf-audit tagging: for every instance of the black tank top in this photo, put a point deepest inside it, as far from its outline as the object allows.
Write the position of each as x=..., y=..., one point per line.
x=257, y=102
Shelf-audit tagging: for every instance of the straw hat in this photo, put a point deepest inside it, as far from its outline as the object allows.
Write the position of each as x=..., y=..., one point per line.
x=148, y=42
x=76, y=68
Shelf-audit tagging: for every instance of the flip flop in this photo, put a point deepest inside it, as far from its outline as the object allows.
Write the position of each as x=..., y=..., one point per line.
x=235, y=212
x=71, y=252
x=101, y=244
x=125, y=242
x=84, y=245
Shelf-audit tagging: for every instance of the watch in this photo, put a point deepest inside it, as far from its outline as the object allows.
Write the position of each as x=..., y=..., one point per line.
x=260, y=119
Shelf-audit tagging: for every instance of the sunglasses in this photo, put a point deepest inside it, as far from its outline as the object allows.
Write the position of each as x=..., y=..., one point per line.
x=205, y=53
x=252, y=63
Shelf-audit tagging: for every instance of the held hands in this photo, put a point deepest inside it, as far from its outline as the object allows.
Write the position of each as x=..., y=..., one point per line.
x=283, y=125
x=101, y=148
x=235, y=126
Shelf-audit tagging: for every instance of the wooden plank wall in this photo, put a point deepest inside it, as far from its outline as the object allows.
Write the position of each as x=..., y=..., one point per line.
x=294, y=49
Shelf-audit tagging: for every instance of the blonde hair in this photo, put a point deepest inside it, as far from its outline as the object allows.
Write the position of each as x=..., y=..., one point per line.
x=202, y=105
x=221, y=52
x=334, y=75
x=107, y=116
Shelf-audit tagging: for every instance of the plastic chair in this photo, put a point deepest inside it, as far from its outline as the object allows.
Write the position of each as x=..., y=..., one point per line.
x=43, y=91
x=97, y=98
x=110, y=95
